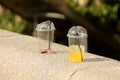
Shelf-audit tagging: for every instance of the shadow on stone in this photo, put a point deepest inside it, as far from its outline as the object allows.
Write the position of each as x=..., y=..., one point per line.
x=96, y=59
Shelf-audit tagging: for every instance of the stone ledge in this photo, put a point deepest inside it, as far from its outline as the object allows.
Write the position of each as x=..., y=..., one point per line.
x=4, y=33
x=20, y=60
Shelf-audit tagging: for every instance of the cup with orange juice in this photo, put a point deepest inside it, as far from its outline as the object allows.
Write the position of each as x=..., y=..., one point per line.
x=76, y=54
x=77, y=38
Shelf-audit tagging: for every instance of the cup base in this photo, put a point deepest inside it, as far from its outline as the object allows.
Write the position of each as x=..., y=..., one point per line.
x=45, y=51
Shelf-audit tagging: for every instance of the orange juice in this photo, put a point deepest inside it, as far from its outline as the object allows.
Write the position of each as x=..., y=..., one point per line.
x=76, y=53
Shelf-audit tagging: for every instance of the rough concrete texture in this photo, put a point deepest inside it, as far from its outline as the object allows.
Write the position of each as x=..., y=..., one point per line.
x=20, y=60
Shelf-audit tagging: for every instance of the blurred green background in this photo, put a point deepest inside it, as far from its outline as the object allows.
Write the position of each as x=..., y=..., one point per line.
x=13, y=22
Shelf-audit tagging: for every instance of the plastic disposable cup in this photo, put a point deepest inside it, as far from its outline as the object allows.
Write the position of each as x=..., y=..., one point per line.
x=77, y=38
x=45, y=31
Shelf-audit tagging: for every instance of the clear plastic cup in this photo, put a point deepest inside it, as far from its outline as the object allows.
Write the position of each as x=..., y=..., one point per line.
x=45, y=31
x=77, y=38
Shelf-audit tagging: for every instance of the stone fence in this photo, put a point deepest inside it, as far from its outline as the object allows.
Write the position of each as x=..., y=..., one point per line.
x=21, y=60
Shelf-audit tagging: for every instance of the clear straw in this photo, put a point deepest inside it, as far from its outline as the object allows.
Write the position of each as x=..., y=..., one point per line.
x=49, y=36
x=79, y=44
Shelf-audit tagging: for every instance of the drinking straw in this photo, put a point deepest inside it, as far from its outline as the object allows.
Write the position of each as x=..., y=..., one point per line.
x=79, y=44
x=78, y=39
x=49, y=35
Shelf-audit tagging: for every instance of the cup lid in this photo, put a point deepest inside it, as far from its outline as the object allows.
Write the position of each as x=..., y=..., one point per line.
x=45, y=26
x=77, y=32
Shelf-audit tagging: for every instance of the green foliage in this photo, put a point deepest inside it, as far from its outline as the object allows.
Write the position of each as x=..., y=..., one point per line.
x=106, y=10
x=117, y=37
x=15, y=23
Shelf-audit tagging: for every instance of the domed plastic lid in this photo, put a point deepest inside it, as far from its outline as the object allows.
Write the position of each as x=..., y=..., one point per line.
x=45, y=26
x=77, y=32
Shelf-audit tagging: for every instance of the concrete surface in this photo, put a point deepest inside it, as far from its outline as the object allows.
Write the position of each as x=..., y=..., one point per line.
x=20, y=60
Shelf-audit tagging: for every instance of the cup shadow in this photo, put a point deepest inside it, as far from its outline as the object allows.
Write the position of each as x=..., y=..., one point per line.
x=96, y=59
